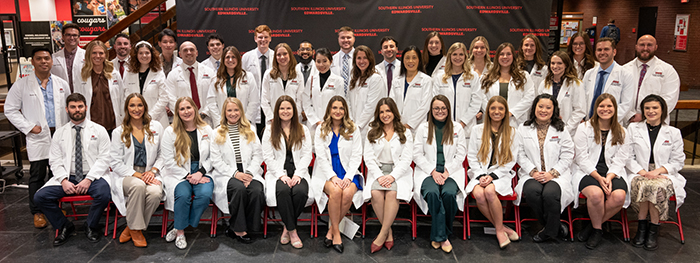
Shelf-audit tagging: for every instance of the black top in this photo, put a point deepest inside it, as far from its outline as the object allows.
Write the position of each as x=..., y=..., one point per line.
x=139, y=151
x=432, y=63
x=194, y=149
x=440, y=165
x=289, y=159
x=323, y=77
x=142, y=78
x=556, y=86
x=601, y=166
x=284, y=84
x=653, y=134
x=530, y=65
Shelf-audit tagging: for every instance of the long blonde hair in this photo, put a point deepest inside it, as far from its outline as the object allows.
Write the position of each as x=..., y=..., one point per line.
x=126, y=123
x=182, y=140
x=108, y=67
x=487, y=56
x=504, y=139
x=348, y=126
x=466, y=66
x=243, y=123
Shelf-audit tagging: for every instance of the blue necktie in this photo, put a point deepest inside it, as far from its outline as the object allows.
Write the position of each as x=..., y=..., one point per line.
x=598, y=90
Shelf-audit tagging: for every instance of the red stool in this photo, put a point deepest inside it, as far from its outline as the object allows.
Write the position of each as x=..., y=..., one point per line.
x=622, y=221
x=83, y=199
x=679, y=224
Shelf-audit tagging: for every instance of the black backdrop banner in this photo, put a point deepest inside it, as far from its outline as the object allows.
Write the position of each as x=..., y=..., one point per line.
x=409, y=21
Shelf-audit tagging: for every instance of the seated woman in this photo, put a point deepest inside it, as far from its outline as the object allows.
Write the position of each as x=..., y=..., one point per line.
x=337, y=179
x=286, y=148
x=185, y=149
x=135, y=179
x=602, y=149
x=388, y=156
x=239, y=188
x=657, y=156
x=545, y=156
x=438, y=151
x=493, y=151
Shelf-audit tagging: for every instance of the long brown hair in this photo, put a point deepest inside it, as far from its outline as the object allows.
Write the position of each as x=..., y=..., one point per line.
x=291, y=66
x=466, y=66
x=357, y=74
x=296, y=131
x=495, y=73
x=522, y=64
x=126, y=123
x=448, y=129
x=182, y=140
x=487, y=56
x=86, y=71
x=426, y=53
x=135, y=64
x=570, y=77
x=504, y=139
x=587, y=54
x=243, y=123
x=222, y=74
x=347, y=126
x=618, y=134
x=377, y=126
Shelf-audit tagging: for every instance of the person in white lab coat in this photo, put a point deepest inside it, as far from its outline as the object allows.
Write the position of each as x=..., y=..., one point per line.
x=135, y=178
x=337, y=180
x=581, y=53
x=545, y=157
x=479, y=56
x=145, y=76
x=461, y=86
x=233, y=81
x=236, y=155
x=439, y=149
x=101, y=87
x=122, y=46
x=167, y=41
x=412, y=89
x=286, y=149
x=656, y=158
x=35, y=105
x=215, y=45
x=493, y=151
x=602, y=150
x=366, y=88
x=68, y=62
x=185, y=151
x=505, y=79
x=321, y=86
x=434, y=54
x=281, y=79
x=389, y=153
x=530, y=59
x=191, y=79
x=257, y=61
x=342, y=60
x=391, y=64
x=562, y=83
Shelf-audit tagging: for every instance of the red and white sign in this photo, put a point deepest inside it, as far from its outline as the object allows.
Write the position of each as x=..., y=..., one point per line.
x=681, y=32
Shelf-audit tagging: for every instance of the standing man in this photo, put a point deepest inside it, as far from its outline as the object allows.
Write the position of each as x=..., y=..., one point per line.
x=391, y=66
x=654, y=76
x=609, y=77
x=122, y=45
x=257, y=61
x=306, y=63
x=68, y=62
x=215, y=44
x=79, y=159
x=35, y=106
x=611, y=30
x=167, y=41
x=190, y=79
x=342, y=61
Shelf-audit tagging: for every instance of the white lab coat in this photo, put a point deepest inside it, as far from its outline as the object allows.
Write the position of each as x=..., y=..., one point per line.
x=316, y=99
x=439, y=67
x=313, y=71
x=504, y=172
x=251, y=64
x=414, y=106
x=661, y=79
x=363, y=99
x=122, y=161
x=95, y=151
x=425, y=157
x=350, y=152
x=246, y=91
x=178, y=85
x=337, y=64
x=579, y=70
x=537, y=75
x=621, y=84
x=402, y=157
x=395, y=71
x=176, y=62
x=274, y=159
x=24, y=108
x=468, y=100
x=154, y=91
x=273, y=89
x=173, y=173
x=519, y=100
x=571, y=107
x=223, y=160
x=116, y=94
x=668, y=152
x=210, y=62
x=588, y=152
x=60, y=67
x=558, y=155
x=115, y=62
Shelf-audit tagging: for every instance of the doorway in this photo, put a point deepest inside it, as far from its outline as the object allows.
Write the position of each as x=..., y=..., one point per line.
x=647, y=21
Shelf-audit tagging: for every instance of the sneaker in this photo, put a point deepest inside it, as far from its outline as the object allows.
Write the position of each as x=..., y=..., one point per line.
x=180, y=242
x=170, y=237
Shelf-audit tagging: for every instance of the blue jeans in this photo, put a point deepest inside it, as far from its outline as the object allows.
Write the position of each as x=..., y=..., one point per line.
x=188, y=210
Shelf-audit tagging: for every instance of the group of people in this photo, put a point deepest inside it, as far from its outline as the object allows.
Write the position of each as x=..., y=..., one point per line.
x=149, y=127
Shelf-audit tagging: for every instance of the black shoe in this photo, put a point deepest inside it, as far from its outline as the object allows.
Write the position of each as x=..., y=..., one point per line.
x=540, y=237
x=339, y=248
x=247, y=239
x=642, y=231
x=652, y=237
x=328, y=243
x=67, y=231
x=92, y=234
x=563, y=231
x=585, y=233
x=594, y=239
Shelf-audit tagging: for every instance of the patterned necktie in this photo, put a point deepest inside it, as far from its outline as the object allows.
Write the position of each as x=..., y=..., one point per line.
x=218, y=63
x=641, y=78
x=121, y=68
x=263, y=66
x=78, y=155
x=389, y=76
x=346, y=73
x=598, y=90
x=193, y=87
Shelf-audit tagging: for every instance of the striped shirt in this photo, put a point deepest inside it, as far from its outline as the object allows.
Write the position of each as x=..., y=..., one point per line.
x=233, y=135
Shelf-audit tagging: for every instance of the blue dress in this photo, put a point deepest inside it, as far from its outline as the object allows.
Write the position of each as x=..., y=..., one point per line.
x=337, y=165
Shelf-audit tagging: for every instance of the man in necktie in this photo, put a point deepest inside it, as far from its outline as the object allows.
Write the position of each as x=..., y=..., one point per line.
x=190, y=79
x=388, y=68
x=342, y=61
x=79, y=159
x=68, y=62
x=215, y=45
x=122, y=45
x=305, y=56
x=257, y=61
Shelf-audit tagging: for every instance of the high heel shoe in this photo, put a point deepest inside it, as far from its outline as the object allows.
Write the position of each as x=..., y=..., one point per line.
x=339, y=247
x=513, y=236
x=435, y=245
x=374, y=248
x=389, y=244
x=447, y=248
x=328, y=243
x=505, y=243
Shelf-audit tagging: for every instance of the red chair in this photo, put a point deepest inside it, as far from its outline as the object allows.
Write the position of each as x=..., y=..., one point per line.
x=509, y=199
x=212, y=220
x=83, y=199
x=269, y=213
x=622, y=221
x=163, y=226
x=679, y=224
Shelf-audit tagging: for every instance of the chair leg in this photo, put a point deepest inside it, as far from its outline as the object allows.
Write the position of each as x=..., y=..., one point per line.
x=518, y=226
x=364, y=219
x=107, y=219
x=571, y=223
x=116, y=217
x=265, y=222
x=466, y=210
x=680, y=225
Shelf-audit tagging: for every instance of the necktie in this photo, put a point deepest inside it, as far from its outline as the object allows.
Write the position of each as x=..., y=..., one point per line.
x=263, y=66
x=389, y=76
x=218, y=63
x=193, y=87
x=78, y=155
x=598, y=90
x=306, y=73
x=121, y=68
x=639, y=86
x=346, y=73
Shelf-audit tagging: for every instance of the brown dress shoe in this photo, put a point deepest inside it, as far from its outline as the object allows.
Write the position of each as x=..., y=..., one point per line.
x=125, y=236
x=138, y=238
x=40, y=220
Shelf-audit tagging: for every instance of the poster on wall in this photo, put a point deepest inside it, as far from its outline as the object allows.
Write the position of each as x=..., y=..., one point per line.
x=35, y=35
x=90, y=27
x=681, y=32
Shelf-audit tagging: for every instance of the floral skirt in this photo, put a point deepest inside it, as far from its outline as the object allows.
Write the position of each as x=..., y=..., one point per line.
x=655, y=191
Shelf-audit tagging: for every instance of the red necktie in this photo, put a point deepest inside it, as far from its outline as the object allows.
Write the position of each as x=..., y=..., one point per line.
x=121, y=68
x=193, y=87
x=641, y=78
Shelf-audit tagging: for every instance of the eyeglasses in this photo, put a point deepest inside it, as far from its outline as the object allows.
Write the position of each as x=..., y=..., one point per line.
x=305, y=49
x=440, y=109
